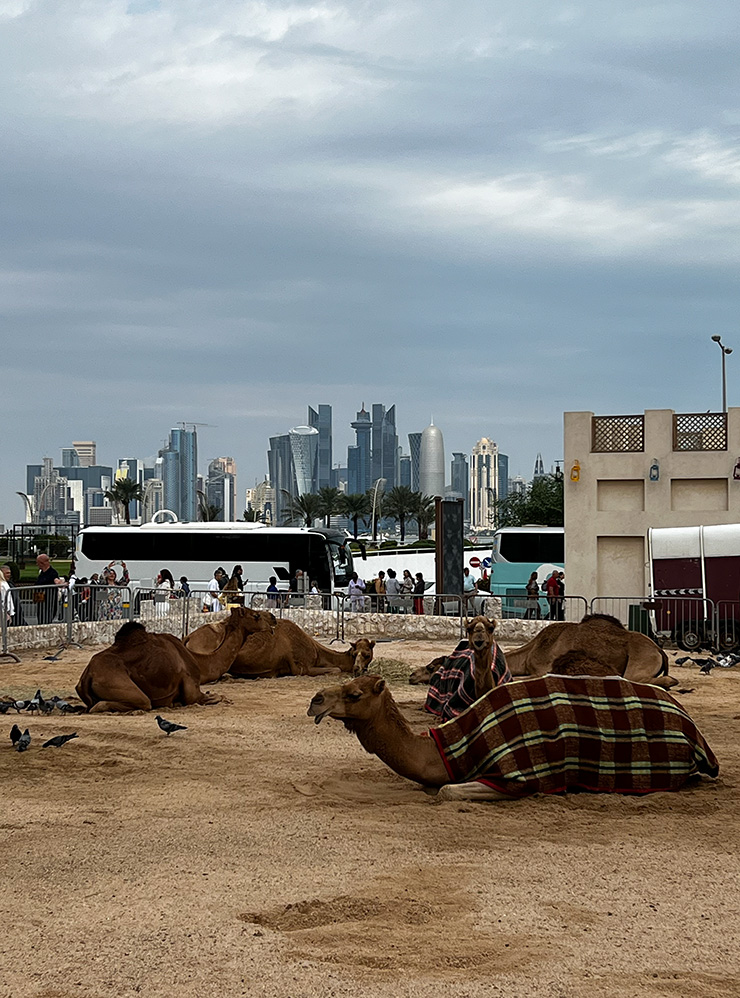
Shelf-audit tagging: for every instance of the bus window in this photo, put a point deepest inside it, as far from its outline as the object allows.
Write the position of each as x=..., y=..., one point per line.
x=532, y=547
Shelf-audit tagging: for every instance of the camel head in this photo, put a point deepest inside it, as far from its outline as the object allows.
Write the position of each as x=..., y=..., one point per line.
x=480, y=634
x=361, y=652
x=357, y=700
x=250, y=621
x=423, y=675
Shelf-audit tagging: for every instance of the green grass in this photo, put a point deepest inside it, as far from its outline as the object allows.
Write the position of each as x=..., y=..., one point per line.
x=31, y=573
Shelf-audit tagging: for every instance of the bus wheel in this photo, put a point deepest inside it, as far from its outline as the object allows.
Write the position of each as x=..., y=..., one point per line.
x=688, y=638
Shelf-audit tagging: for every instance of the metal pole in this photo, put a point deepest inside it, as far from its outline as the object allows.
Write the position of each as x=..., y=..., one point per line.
x=724, y=381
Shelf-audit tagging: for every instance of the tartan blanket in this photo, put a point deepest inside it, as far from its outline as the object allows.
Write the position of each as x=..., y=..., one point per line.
x=452, y=688
x=563, y=733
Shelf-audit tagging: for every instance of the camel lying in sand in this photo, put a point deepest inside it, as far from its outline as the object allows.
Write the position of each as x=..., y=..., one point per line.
x=597, y=638
x=141, y=671
x=473, y=668
x=285, y=650
x=647, y=742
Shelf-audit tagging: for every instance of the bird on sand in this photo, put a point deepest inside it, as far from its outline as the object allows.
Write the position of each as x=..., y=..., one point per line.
x=54, y=658
x=169, y=726
x=15, y=733
x=59, y=740
x=5, y=706
x=23, y=742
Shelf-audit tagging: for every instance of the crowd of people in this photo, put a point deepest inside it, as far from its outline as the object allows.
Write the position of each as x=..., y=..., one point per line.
x=554, y=589
x=386, y=593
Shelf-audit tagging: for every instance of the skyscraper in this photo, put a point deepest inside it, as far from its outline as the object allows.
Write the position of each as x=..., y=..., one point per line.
x=432, y=462
x=539, y=468
x=404, y=470
x=304, y=449
x=86, y=452
x=415, y=454
x=221, y=487
x=459, y=481
x=359, y=469
x=282, y=475
x=503, y=476
x=180, y=472
x=384, y=446
x=484, y=478
x=321, y=421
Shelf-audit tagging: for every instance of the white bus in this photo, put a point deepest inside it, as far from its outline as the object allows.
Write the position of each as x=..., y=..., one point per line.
x=195, y=550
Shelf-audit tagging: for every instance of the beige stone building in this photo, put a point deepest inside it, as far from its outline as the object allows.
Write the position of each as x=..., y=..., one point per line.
x=624, y=474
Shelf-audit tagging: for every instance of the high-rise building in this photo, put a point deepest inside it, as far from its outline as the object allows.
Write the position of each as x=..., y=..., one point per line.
x=459, y=481
x=70, y=457
x=484, y=479
x=52, y=488
x=86, y=452
x=384, y=445
x=359, y=468
x=220, y=487
x=304, y=448
x=153, y=499
x=133, y=468
x=503, y=476
x=261, y=499
x=404, y=470
x=321, y=421
x=180, y=472
x=415, y=454
x=539, y=468
x=282, y=474
x=517, y=484
x=432, y=462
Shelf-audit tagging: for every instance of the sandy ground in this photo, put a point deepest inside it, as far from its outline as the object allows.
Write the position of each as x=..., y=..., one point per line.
x=258, y=854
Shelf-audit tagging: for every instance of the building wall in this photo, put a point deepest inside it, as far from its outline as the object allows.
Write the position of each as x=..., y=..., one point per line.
x=609, y=510
x=484, y=476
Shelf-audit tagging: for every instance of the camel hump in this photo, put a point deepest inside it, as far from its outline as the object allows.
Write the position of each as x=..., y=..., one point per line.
x=605, y=618
x=579, y=663
x=125, y=633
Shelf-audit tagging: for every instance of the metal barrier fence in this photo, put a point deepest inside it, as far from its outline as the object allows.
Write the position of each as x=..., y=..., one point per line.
x=688, y=621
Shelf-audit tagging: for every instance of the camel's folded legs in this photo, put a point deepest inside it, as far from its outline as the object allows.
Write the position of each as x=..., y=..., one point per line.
x=469, y=791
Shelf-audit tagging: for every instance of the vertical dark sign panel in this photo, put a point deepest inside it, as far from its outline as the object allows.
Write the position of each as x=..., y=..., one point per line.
x=449, y=538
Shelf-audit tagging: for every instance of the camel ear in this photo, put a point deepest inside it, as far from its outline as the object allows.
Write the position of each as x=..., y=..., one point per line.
x=491, y=625
x=378, y=687
x=353, y=645
x=372, y=643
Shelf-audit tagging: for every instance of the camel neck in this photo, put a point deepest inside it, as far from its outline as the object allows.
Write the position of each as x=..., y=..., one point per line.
x=388, y=736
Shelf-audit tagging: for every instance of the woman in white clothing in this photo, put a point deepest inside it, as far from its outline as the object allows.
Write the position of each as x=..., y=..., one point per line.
x=165, y=589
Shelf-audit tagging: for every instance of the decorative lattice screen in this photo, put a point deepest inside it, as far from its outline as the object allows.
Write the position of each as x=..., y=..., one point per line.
x=700, y=431
x=618, y=433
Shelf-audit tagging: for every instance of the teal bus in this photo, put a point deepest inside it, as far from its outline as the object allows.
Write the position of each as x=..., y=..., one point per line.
x=516, y=553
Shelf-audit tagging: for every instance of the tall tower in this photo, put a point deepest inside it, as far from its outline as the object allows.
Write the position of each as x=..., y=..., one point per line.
x=415, y=454
x=282, y=474
x=304, y=449
x=539, y=468
x=384, y=451
x=221, y=487
x=432, y=462
x=321, y=421
x=359, y=469
x=459, y=481
x=484, y=478
x=180, y=471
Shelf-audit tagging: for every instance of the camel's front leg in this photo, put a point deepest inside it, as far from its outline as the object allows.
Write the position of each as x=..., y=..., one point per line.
x=317, y=670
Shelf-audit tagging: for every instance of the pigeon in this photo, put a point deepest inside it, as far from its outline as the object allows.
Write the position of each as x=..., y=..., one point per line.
x=15, y=733
x=682, y=661
x=58, y=740
x=688, y=690
x=5, y=706
x=23, y=742
x=72, y=708
x=47, y=707
x=19, y=705
x=728, y=661
x=706, y=666
x=169, y=726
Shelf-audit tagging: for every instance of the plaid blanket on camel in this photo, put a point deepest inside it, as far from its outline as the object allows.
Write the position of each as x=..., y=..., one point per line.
x=452, y=688
x=563, y=733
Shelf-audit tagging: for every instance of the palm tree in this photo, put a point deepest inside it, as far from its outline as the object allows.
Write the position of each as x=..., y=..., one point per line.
x=123, y=493
x=253, y=516
x=330, y=498
x=354, y=506
x=306, y=507
x=207, y=512
x=423, y=512
x=399, y=505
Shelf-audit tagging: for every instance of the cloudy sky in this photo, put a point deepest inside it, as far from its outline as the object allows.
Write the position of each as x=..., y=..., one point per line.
x=491, y=211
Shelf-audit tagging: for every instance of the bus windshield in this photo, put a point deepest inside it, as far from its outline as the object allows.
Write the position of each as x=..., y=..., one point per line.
x=532, y=547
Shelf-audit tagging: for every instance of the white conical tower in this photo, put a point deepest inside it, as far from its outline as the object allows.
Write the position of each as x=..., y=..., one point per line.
x=432, y=462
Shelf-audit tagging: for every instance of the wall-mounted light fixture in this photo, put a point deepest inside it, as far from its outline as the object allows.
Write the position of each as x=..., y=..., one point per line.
x=654, y=470
x=736, y=471
x=575, y=472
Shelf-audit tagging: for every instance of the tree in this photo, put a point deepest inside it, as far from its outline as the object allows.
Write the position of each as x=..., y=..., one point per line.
x=354, y=506
x=123, y=493
x=329, y=503
x=207, y=512
x=305, y=508
x=541, y=502
x=399, y=505
x=253, y=516
x=424, y=511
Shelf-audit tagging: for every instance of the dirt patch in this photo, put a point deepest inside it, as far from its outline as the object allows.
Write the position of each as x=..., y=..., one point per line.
x=258, y=854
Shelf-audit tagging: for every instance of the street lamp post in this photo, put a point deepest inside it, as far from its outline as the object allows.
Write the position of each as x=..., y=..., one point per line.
x=725, y=351
x=380, y=484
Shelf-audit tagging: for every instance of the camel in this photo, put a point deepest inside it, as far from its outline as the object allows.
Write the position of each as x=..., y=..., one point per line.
x=474, y=668
x=141, y=671
x=559, y=752
x=600, y=638
x=284, y=651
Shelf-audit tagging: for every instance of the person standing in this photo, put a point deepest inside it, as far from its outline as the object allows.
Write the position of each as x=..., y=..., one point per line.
x=561, y=595
x=17, y=618
x=470, y=590
x=379, y=597
x=407, y=588
x=164, y=592
x=552, y=589
x=392, y=591
x=46, y=599
x=272, y=593
x=356, y=590
x=533, y=598
x=419, y=588
x=211, y=602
